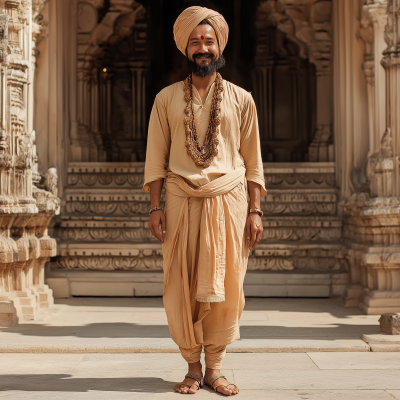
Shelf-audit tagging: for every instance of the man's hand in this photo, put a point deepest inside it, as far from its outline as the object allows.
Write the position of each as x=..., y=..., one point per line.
x=157, y=218
x=254, y=229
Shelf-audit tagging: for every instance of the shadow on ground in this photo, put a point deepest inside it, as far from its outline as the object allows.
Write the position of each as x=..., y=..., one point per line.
x=331, y=306
x=66, y=383
x=131, y=330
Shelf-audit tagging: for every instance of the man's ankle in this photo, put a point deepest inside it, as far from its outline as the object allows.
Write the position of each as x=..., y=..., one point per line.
x=194, y=367
x=212, y=371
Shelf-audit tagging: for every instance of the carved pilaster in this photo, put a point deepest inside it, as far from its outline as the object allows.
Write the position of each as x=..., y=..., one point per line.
x=372, y=223
x=23, y=215
x=372, y=27
x=391, y=63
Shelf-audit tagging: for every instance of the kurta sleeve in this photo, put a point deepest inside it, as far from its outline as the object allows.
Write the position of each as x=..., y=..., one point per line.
x=158, y=144
x=250, y=148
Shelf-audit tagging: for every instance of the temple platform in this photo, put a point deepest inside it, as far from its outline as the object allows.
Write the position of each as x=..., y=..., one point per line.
x=139, y=325
x=120, y=348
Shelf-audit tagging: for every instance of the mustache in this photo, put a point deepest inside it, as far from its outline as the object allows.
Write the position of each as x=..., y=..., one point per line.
x=199, y=55
x=204, y=70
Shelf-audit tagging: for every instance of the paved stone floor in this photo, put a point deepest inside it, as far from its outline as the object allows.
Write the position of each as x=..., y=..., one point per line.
x=275, y=376
x=291, y=349
x=140, y=325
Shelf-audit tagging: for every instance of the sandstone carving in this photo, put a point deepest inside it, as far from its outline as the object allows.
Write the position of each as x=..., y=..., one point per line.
x=25, y=210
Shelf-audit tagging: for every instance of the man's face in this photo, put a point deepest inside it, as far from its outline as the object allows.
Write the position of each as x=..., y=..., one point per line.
x=203, y=51
x=203, y=45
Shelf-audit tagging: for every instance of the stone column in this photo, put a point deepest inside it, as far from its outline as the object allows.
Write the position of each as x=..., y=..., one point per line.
x=319, y=148
x=350, y=96
x=373, y=22
x=372, y=223
x=138, y=71
x=22, y=210
x=391, y=63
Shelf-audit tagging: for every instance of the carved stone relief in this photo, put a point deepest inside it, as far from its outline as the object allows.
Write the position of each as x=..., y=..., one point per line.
x=372, y=220
x=106, y=207
x=25, y=210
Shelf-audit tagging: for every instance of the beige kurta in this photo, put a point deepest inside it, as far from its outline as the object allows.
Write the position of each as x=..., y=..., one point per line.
x=205, y=250
x=239, y=143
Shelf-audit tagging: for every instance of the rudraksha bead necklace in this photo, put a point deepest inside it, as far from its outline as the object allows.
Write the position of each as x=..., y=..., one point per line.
x=203, y=155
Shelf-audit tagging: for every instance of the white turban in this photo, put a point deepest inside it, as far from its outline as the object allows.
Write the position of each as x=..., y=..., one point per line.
x=191, y=17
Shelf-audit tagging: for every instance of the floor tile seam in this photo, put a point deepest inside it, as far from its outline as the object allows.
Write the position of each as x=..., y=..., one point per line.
x=308, y=355
x=73, y=369
x=226, y=370
x=390, y=394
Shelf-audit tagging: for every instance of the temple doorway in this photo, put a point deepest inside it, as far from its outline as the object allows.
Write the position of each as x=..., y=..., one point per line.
x=140, y=58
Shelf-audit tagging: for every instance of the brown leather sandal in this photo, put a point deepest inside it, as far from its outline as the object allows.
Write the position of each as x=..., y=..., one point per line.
x=196, y=377
x=213, y=378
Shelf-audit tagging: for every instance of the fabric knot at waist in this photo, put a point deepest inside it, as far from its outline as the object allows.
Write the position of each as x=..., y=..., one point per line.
x=212, y=250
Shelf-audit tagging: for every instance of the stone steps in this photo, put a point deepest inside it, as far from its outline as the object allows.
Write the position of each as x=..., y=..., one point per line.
x=150, y=283
x=104, y=228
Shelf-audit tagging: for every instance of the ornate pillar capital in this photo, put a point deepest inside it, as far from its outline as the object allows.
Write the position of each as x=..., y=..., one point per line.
x=376, y=11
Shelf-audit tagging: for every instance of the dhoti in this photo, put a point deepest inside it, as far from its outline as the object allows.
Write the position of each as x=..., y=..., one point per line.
x=205, y=260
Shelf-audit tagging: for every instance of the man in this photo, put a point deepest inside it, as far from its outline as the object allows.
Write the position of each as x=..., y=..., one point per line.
x=203, y=142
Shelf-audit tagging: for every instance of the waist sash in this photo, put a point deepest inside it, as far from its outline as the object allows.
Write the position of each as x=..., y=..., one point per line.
x=212, y=252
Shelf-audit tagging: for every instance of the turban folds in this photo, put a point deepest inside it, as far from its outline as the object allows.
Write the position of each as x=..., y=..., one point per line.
x=191, y=17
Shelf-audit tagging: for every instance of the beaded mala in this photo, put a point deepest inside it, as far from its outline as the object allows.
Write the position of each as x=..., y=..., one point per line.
x=203, y=155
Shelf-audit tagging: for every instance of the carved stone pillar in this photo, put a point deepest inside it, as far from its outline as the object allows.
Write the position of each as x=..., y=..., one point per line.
x=373, y=22
x=319, y=45
x=391, y=63
x=139, y=133
x=319, y=148
x=22, y=213
x=374, y=216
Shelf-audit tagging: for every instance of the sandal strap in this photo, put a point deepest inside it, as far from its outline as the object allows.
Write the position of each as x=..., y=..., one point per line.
x=214, y=377
x=185, y=385
x=225, y=386
x=196, y=377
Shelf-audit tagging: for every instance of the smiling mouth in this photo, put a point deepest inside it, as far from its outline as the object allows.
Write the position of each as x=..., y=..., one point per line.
x=202, y=56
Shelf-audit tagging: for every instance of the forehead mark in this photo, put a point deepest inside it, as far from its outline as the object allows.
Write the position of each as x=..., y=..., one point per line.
x=202, y=37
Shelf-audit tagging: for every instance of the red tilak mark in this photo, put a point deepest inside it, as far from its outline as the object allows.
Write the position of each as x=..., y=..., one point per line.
x=202, y=37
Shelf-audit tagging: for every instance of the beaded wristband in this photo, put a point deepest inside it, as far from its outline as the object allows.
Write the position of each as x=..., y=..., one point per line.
x=256, y=210
x=154, y=209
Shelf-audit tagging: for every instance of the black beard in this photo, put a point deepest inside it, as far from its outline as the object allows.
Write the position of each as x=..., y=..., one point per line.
x=205, y=70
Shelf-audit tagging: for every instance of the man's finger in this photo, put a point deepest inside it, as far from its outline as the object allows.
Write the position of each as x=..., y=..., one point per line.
x=259, y=237
x=248, y=230
x=253, y=237
x=155, y=233
x=151, y=228
x=163, y=224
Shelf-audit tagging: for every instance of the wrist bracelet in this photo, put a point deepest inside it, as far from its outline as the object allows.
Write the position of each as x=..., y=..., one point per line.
x=256, y=210
x=154, y=209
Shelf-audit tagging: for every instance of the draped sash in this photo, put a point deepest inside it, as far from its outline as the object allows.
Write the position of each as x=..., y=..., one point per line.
x=212, y=250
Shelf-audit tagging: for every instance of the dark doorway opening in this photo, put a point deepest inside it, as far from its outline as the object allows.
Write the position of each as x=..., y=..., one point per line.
x=259, y=58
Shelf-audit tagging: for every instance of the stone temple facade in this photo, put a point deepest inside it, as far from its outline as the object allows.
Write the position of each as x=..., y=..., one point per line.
x=82, y=74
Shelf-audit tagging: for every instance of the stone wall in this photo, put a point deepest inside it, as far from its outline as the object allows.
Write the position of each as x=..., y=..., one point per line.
x=27, y=200
x=371, y=201
x=327, y=220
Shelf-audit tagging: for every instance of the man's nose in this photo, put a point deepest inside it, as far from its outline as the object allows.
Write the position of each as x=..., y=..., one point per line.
x=204, y=48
